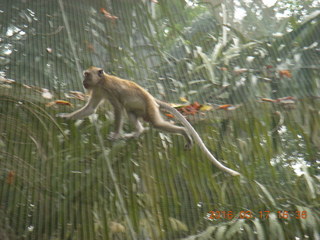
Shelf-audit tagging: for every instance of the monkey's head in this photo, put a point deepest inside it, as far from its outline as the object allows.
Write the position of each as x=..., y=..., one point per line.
x=92, y=76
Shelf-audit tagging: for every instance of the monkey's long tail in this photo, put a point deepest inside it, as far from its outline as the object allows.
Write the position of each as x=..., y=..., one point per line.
x=196, y=137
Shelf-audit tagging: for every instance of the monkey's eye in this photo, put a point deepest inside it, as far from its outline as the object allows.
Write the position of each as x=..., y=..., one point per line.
x=100, y=72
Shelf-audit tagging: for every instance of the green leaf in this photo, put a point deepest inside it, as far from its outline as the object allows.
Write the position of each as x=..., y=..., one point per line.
x=235, y=228
x=276, y=230
x=259, y=229
x=267, y=194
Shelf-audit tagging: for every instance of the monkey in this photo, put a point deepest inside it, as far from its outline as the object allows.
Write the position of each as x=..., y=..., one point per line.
x=127, y=96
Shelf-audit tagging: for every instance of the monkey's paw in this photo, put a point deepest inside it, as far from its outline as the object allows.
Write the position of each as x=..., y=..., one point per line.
x=135, y=134
x=132, y=135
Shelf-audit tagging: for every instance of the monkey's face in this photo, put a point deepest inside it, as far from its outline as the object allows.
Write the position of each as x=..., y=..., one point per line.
x=92, y=76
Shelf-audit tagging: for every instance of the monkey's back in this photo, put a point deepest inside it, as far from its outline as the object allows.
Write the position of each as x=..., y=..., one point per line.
x=131, y=96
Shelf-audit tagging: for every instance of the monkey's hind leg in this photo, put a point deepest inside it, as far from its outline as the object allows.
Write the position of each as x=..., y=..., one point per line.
x=138, y=126
x=168, y=127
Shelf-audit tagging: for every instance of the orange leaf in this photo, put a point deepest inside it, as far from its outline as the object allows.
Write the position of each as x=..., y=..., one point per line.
x=62, y=102
x=225, y=106
x=187, y=110
x=223, y=69
x=190, y=109
x=169, y=115
x=285, y=73
x=196, y=105
x=58, y=102
x=107, y=14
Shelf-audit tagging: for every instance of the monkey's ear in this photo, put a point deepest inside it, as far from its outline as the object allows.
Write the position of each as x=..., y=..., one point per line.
x=100, y=72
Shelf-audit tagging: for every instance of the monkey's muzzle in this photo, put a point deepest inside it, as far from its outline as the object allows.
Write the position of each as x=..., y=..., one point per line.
x=86, y=84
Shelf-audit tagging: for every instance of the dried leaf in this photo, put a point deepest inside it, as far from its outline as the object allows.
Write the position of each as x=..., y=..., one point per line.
x=58, y=102
x=285, y=73
x=190, y=109
x=62, y=102
x=286, y=99
x=223, y=69
x=228, y=107
x=268, y=100
x=169, y=115
x=108, y=15
x=225, y=106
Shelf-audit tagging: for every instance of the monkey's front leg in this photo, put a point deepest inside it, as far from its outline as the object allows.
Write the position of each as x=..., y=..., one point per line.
x=85, y=111
x=81, y=113
x=118, y=124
